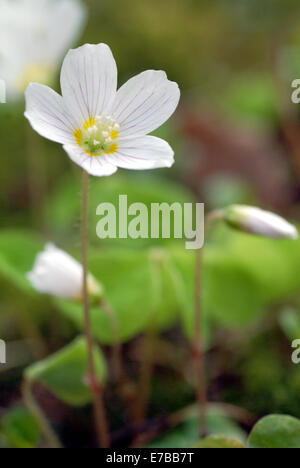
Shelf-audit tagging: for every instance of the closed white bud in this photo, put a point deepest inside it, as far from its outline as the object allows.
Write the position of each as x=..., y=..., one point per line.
x=262, y=223
x=57, y=273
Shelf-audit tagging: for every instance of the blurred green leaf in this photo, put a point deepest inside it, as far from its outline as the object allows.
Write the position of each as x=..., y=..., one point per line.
x=245, y=274
x=230, y=291
x=184, y=266
x=219, y=442
x=276, y=431
x=20, y=429
x=18, y=250
x=66, y=371
x=167, y=289
x=275, y=263
x=187, y=433
x=126, y=276
x=242, y=276
x=140, y=287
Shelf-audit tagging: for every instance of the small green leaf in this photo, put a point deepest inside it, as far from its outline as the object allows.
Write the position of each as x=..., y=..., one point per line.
x=219, y=442
x=276, y=431
x=65, y=372
x=20, y=429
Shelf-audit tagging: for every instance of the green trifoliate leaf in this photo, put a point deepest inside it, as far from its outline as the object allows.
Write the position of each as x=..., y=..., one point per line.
x=276, y=431
x=65, y=373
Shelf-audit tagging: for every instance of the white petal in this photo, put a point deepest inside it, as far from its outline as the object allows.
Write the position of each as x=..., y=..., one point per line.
x=95, y=165
x=260, y=222
x=146, y=152
x=47, y=115
x=145, y=102
x=56, y=272
x=89, y=81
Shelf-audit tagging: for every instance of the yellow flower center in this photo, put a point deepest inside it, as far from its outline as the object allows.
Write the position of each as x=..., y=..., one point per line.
x=98, y=136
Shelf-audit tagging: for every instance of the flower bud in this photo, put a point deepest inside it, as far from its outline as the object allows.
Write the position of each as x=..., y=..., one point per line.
x=256, y=221
x=57, y=273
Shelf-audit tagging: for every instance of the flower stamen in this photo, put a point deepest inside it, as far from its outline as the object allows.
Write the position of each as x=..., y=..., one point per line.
x=98, y=135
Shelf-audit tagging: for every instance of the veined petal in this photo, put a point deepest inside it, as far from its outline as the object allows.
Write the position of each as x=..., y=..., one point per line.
x=147, y=152
x=89, y=81
x=145, y=102
x=47, y=115
x=96, y=166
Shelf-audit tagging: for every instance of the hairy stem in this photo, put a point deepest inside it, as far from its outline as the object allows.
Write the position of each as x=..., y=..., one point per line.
x=117, y=347
x=34, y=408
x=198, y=343
x=198, y=349
x=95, y=384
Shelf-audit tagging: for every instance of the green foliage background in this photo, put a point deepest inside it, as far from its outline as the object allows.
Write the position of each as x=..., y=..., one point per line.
x=221, y=54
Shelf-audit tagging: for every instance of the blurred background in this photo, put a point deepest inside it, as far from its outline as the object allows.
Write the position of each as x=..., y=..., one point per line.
x=236, y=136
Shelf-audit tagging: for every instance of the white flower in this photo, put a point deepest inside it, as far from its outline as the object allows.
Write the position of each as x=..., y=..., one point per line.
x=57, y=273
x=101, y=128
x=34, y=36
x=262, y=223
